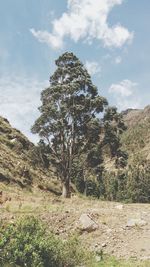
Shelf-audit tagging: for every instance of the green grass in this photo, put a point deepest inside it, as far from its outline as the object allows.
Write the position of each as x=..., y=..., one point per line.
x=113, y=262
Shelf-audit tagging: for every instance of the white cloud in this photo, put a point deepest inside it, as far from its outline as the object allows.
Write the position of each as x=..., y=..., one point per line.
x=86, y=20
x=93, y=67
x=124, y=88
x=44, y=37
x=19, y=100
x=118, y=60
x=125, y=94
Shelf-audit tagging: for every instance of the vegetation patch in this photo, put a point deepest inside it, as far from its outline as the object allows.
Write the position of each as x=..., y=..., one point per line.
x=28, y=243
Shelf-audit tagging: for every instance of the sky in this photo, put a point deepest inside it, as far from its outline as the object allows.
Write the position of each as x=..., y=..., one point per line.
x=110, y=37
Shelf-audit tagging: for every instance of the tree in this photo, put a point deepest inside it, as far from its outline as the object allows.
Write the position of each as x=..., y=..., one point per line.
x=114, y=126
x=39, y=155
x=138, y=180
x=69, y=121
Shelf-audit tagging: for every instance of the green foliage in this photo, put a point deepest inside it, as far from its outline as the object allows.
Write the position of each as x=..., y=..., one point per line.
x=137, y=137
x=68, y=122
x=131, y=184
x=87, y=171
x=121, y=159
x=77, y=176
x=92, y=188
x=113, y=262
x=39, y=155
x=113, y=129
x=73, y=254
x=138, y=181
x=136, y=141
x=28, y=243
x=110, y=186
x=115, y=185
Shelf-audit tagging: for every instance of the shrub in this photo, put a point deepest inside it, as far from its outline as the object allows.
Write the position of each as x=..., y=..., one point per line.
x=92, y=188
x=138, y=183
x=27, y=243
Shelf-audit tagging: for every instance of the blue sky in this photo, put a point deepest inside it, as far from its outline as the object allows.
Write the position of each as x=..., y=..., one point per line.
x=111, y=37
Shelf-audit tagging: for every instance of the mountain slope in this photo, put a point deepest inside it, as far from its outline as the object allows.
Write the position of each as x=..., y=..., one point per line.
x=20, y=162
x=17, y=162
x=136, y=140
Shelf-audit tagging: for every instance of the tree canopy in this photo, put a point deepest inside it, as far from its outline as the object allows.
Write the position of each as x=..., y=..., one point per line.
x=70, y=123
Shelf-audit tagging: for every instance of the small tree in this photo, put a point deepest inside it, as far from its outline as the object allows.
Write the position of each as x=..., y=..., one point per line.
x=68, y=122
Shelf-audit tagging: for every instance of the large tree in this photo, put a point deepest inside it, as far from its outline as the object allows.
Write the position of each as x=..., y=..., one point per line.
x=69, y=121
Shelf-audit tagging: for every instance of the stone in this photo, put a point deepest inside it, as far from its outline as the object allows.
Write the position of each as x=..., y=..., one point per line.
x=104, y=245
x=135, y=222
x=86, y=223
x=119, y=207
x=98, y=258
x=145, y=258
x=108, y=231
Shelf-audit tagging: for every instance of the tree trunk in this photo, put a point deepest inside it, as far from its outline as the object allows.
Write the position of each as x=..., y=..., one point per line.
x=85, y=183
x=66, y=189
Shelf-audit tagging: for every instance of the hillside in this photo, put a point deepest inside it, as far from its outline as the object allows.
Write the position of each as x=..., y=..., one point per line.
x=135, y=116
x=136, y=140
x=17, y=160
x=122, y=230
x=20, y=161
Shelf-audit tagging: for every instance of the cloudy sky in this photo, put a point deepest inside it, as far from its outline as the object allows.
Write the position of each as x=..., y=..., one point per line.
x=111, y=37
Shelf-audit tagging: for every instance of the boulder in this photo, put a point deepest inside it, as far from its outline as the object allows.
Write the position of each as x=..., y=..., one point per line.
x=86, y=223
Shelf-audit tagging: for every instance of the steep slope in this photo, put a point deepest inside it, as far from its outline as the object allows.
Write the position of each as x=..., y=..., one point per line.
x=17, y=162
x=135, y=116
x=21, y=164
x=136, y=140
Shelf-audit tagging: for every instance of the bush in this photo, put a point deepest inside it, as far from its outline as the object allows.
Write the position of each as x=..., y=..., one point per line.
x=92, y=188
x=27, y=243
x=115, y=185
x=138, y=183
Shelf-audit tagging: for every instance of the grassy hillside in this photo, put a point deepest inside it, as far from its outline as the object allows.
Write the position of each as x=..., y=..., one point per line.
x=136, y=140
x=17, y=164
x=20, y=163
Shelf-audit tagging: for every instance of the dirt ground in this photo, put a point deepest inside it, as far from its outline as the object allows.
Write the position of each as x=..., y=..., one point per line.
x=123, y=229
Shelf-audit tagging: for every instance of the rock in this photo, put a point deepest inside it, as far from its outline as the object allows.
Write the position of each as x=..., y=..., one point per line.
x=98, y=258
x=145, y=258
x=67, y=211
x=135, y=222
x=86, y=223
x=104, y=245
x=108, y=231
x=119, y=207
